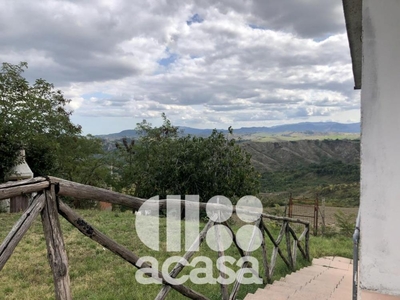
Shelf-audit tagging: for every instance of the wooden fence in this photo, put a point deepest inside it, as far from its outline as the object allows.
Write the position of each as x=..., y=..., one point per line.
x=49, y=206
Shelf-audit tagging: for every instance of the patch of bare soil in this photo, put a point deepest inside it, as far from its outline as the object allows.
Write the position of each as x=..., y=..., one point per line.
x=348, y=211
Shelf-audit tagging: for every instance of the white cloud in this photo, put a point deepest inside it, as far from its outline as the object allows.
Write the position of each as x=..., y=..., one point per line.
x=239, y=63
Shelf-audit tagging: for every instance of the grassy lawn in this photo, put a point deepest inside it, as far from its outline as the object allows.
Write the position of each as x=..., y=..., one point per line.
x=96, y=273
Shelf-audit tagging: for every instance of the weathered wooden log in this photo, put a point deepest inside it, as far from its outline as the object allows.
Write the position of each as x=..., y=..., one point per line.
x=296, y=243
x=81, y=191
x=253, y=235
x=294, y=252
x=179, y=266
x=19, y=203
x=221, y=267
x=276, y=218
x=21, y=189
x=56, y=253
x=307, y=240
x=87, y=192
x=121, y=251
x=20, y=228
x=303, y=233
x=234, y=238
x=9, y=184
x=238, y=280
x=289, y=248
x=276, y=249
x=264, y=255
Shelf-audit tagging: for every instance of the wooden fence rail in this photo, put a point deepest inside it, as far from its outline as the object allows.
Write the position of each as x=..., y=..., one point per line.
x=20, y=228
x=18, y=188
x=48, y=204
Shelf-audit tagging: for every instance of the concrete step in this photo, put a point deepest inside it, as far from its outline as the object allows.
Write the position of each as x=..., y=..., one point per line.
x=328, y=277
x=371, y=295
x=341, y=263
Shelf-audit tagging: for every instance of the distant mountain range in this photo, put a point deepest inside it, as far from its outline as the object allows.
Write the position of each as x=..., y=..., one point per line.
x=305, y=127
x=283, y=147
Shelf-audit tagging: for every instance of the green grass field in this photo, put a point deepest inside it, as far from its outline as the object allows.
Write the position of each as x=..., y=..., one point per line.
x=96, y=273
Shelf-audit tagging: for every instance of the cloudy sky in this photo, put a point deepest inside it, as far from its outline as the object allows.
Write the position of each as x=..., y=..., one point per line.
x=205, y=63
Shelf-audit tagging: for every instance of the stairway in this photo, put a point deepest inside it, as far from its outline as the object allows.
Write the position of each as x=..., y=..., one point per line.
x=327, y=278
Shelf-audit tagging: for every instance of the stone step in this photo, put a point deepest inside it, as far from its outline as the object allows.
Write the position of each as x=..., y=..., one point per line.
x=337, y=264
x=328, y=277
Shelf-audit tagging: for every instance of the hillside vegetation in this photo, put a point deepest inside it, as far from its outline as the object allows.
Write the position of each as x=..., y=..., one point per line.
x=278, y=156
x=329, y=168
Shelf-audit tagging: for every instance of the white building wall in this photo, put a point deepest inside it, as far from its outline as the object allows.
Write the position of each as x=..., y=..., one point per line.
x=380, y=152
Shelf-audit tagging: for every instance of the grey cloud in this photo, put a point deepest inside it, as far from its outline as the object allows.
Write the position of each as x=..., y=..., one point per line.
x=238, y=72
x=84, y=71
x=247, y=94
x=312, y=19
x=231, y=107
x=115, y=102
x=261, y=116
x=275, y=100
x=224, y=6
x=324, y=102
x=81, y=39
x=300, y=112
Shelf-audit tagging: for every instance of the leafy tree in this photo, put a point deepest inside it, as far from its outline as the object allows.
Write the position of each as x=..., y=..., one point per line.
x=86, y=163
x=124, y=164
x=9, y=147
x=163, y=162
x=30, y=110
x=35, y=116
x=148, y=134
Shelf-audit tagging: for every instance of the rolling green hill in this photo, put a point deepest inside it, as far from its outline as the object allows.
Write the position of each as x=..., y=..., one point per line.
x=303, y=163
x=297, y=131
x=330, y=168
x=275, y=156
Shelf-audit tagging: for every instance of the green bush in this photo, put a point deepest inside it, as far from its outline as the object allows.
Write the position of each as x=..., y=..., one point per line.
x=345, y=223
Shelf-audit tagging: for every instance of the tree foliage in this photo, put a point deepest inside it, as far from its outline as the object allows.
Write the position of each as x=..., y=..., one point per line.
x=164, y=162
x=33, y=116
x=36, y=117
x=86, y=163
x=326, y=172
x=9, y=147
x=30, y=110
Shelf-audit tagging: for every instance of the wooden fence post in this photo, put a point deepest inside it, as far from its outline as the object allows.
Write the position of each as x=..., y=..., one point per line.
x=56, y=252
x=316, y=212
x=307, y=242
x=20, y=228
x=221, y=266
x=288, y=247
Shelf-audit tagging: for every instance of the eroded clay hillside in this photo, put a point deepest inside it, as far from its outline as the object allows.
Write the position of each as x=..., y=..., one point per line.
x=272, y=156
